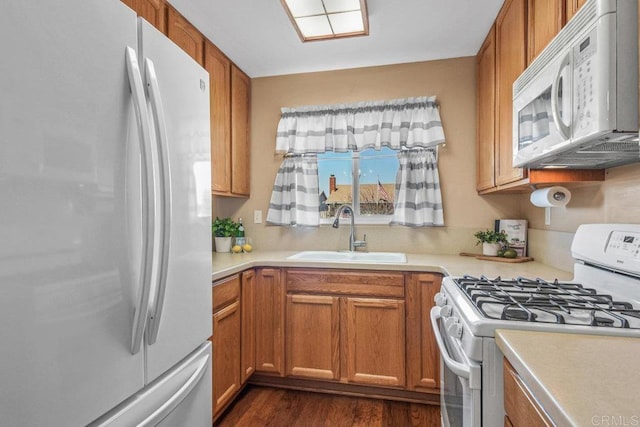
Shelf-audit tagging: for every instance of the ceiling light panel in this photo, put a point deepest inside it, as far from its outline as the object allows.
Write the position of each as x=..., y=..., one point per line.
x=333, y=6
x=314, y=26
x=326, y=19
x=300, y=8
x=346, y=22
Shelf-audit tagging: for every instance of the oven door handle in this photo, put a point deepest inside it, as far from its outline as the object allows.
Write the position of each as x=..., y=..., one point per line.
x=460, y=369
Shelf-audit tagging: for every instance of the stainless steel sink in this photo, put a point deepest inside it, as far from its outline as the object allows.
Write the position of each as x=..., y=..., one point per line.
x=361, y=257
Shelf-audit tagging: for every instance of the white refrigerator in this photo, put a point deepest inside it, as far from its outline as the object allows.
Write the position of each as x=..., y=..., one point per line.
x=105, y=214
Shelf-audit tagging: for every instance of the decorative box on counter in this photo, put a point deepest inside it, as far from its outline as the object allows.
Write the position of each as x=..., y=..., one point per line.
x=516, y=229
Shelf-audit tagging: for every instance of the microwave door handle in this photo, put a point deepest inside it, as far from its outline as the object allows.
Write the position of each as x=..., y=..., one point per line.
x=565, y=130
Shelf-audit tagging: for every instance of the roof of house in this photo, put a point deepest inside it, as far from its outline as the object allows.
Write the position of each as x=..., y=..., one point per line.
x=368, y=193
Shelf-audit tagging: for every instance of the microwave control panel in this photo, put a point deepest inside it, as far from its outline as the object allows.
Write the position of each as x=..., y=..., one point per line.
x=584, y=82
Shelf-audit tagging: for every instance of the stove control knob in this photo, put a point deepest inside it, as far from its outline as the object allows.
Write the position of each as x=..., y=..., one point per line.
x=455, y=329
x=445, y=311
x=450, y=321
x=440, y=299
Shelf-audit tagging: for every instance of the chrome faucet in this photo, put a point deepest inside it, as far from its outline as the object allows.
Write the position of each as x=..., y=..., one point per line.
x=353, y=243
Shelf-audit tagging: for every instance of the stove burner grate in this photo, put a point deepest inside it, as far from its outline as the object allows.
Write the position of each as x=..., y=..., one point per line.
x=537, y=300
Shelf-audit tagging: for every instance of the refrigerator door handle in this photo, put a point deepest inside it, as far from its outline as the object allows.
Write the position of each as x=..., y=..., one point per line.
x=175, y=400
x=164, y=196
x=148, y=199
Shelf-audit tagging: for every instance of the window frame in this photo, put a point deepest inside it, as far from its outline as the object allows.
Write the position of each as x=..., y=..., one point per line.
x=355, y=182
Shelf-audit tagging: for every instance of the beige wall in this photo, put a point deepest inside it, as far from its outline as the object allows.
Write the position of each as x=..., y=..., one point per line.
x=616, y=200
x=451, y=80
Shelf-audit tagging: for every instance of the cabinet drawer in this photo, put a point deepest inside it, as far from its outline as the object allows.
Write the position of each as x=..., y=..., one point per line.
x=225, y=292
x=346, y=282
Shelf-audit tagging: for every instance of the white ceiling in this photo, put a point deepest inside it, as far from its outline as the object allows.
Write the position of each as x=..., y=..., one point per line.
x=258, y=36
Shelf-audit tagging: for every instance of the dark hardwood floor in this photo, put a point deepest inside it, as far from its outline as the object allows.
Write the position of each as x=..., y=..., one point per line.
x=264, y=406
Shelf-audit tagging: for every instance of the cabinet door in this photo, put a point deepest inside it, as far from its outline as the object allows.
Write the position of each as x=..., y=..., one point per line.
x=423, y=357
x=153, y=11
x=511, y=61
x=226, y=355
x=521, y=408
x=185, y=35
x=486, y=118
x=546, y=18
x=248, y=326
x=219, y=68
x=572, y=8
x=240, y=103
x=375, y=345
x=313, y=336
x=269, y=321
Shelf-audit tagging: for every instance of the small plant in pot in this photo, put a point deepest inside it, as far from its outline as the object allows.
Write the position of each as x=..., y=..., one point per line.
x=492, y=241
x=224, y=230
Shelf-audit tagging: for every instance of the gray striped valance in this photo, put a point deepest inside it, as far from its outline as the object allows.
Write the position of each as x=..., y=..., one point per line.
x=399, y=123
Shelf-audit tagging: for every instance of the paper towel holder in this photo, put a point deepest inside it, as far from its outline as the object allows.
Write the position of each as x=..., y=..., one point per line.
x=547, y=198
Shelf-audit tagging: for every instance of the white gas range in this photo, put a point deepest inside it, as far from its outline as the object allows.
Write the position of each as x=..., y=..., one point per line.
x=602, y=299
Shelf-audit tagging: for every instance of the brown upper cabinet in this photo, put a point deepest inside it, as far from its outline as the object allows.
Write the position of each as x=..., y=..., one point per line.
x=219, y=68
x=522, y=29
x=230, y=102
x=185, y=35
x=511, y=61
x=486, y=100
x=572, y=7
x=546, y=18
x=240, y=105
x=153, y=11
x=230, y=97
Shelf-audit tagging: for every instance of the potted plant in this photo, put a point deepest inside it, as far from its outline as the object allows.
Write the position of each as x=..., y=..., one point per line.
x=492, y=241
x=223, y=230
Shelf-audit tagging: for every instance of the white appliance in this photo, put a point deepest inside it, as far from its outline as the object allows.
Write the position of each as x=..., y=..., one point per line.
x=603, y=298
x=105, y=261
x=576, y=105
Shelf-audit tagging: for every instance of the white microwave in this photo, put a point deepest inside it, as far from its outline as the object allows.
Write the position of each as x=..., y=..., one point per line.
x=576, y=105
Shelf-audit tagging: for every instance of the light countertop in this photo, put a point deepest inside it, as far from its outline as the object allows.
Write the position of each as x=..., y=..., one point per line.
x=225, y=264
x=579, y=380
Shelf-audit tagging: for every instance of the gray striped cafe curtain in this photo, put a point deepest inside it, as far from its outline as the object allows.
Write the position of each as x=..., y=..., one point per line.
x=418, y=199
x=402, y=124
x=295, y=197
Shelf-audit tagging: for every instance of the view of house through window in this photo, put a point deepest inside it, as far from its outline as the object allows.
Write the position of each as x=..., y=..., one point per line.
x=373, y=186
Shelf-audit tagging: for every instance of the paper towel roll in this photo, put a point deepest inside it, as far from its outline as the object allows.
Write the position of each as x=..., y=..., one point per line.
x=551, y=197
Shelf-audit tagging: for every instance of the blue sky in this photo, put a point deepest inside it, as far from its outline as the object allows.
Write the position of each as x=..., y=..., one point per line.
x=371, y=168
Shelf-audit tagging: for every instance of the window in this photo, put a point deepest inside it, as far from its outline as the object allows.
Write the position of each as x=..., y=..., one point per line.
x=373, y=186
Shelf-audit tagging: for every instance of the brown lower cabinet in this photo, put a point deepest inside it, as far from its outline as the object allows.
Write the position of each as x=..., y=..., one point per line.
x=366, y=331
x=520, y=406
x=375, y=345
x=226, y=342
x=269, y=321
x=423, y=357
x=233, y=337
x=248, y=326
x=313, y=336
